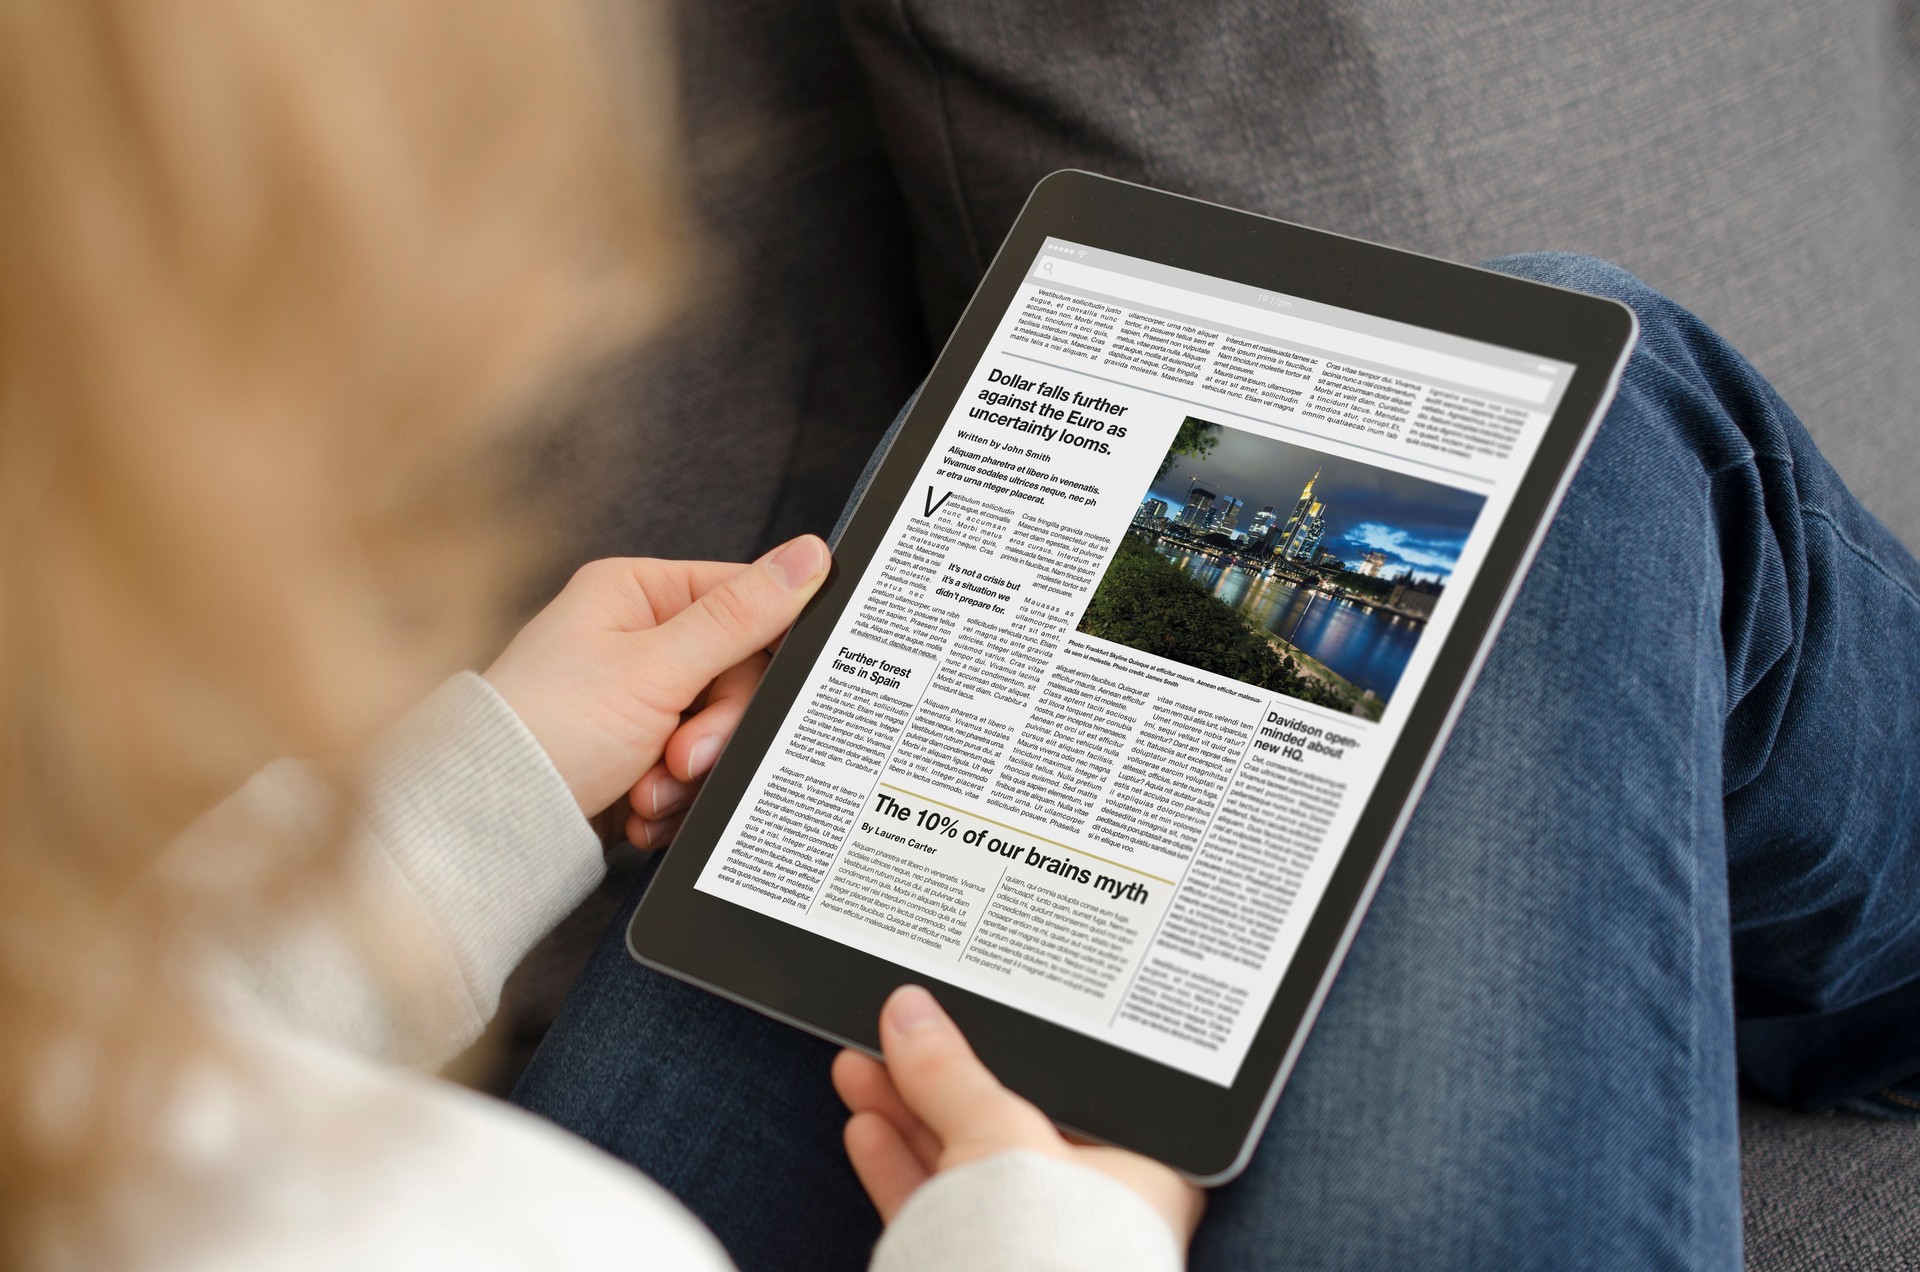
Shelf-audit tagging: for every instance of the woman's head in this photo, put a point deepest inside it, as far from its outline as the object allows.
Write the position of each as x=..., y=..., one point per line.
x=275, y=276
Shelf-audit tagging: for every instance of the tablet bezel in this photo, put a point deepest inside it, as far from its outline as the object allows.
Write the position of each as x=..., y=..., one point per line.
x=1096, y=1088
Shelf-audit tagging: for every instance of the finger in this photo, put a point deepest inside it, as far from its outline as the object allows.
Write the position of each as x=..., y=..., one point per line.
x=659, y=793
x=647, y=835
x=636, y=593
x=944, y=1084
x=610, y=823
x=887, y=1167
x=696, y=744
x=738, y=682
x=695, y=581
x=703, y=581
x=732, y=621
x=864, y=1087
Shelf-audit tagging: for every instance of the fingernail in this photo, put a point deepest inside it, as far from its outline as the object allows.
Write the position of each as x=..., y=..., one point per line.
x=668, y=795
x=798, y=562
x=702, y=756
x=912, y=1009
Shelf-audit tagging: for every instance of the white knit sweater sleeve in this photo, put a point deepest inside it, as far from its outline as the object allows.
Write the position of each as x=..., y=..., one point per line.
x=1022, y=1210
x=465, y=849
x=468, y=841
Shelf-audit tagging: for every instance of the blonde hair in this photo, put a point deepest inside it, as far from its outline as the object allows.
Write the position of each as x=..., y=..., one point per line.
x=275, y=275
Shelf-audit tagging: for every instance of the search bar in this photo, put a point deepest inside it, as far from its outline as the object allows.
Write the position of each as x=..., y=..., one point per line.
x=1333, y=340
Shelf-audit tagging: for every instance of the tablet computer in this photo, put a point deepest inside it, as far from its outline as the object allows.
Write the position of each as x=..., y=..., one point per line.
x=1137, y=651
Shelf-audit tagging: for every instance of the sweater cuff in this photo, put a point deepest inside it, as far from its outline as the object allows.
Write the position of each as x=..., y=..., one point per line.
x=1024, y=1210
x=463, y=800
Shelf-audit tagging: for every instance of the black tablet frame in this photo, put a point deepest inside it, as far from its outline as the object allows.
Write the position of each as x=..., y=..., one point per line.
x=1106, y=1092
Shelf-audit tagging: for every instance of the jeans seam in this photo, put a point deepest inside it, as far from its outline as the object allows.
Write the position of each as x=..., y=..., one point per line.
x=1865, y=555
x=1814, y=513
x=1754, y=455
x=1705, y=622
x=1888, y=1093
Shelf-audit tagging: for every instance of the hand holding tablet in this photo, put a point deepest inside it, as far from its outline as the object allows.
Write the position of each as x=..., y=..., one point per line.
x=933, y=1107
x=1138, y=650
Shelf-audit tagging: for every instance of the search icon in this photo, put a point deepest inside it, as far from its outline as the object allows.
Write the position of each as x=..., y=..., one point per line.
x=1046, y=267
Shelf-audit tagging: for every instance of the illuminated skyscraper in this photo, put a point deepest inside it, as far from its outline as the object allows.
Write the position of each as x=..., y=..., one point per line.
x=1199, y=504
x=1150, y=514
x=1225, y=515
x=1283, y=541
x=1262, y=523
x=1306, y=540
x=1372, y=563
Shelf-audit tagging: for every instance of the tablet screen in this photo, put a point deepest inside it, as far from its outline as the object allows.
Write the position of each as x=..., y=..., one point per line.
x=1100, y=716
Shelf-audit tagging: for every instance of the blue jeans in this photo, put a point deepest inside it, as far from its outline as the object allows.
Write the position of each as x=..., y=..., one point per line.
x=1673, y=843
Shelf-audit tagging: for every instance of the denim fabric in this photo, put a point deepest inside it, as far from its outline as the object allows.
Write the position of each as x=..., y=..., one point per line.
x=1674, y=839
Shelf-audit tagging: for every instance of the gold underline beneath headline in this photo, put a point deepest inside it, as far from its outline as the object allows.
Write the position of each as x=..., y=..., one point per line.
x=1117, y=865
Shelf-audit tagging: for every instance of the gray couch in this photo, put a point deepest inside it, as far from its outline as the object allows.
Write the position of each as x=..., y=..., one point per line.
x=857, y=165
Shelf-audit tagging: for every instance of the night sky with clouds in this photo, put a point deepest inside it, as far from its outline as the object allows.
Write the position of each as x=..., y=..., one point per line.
x=1419, y=525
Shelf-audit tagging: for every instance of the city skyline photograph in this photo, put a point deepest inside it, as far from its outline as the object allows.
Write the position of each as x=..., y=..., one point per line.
x=1416, y=525
x=1324, y=598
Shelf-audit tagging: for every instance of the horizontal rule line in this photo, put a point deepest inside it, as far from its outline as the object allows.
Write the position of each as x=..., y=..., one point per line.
x=1054, y=843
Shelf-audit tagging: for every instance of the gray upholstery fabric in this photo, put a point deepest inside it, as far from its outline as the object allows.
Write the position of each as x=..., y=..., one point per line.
x=750, y=419
x=1825, y=1191
x=1758, y=161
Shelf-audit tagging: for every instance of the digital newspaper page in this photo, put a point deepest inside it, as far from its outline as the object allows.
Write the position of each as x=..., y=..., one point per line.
x=1101, y=715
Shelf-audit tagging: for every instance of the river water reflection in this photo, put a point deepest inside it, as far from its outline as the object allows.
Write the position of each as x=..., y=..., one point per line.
x=1369, y=648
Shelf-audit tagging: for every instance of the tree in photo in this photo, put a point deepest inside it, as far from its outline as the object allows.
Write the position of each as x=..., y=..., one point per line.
x=1146, y=602
x=1196, y=439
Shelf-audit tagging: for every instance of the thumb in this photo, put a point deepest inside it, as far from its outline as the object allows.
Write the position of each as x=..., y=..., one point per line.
x=740, y=617
x=944, y=1084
